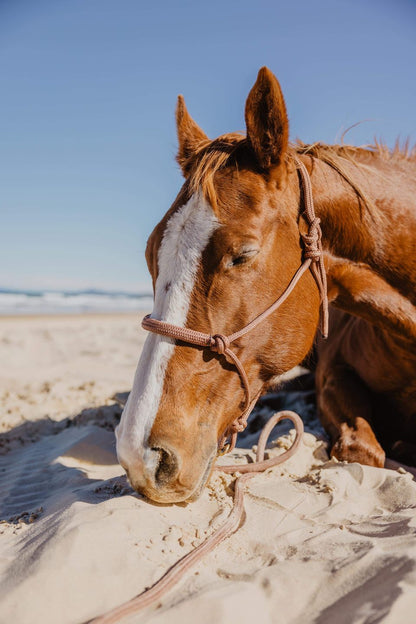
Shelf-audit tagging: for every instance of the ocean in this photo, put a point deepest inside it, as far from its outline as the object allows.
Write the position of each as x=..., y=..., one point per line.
x=16, y=302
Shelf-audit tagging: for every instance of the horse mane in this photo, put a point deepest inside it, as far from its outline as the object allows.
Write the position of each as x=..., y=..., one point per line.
x=378, y=149
x=234, y=149
x=336, y=155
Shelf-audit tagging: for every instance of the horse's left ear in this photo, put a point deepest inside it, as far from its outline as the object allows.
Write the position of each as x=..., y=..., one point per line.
x=266, y=120
x=190, y=135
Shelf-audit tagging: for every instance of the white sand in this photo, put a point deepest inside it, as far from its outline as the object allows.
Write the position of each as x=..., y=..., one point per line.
x=322, y=542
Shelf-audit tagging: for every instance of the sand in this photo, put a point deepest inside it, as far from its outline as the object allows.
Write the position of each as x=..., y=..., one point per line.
x=322, y=541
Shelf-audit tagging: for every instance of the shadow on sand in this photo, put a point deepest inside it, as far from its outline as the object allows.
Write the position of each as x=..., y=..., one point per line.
x=36, y=457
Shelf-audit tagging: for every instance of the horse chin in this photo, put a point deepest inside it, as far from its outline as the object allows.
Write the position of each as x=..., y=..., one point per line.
x=204, y=480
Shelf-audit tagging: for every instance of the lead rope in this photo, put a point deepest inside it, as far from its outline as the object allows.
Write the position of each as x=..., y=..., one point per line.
x=220, y=344
x=244, y=472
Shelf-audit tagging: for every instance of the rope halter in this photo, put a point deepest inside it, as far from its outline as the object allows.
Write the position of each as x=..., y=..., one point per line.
x=221, y=345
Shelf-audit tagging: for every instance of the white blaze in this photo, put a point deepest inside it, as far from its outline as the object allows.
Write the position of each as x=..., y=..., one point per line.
x=186, y=235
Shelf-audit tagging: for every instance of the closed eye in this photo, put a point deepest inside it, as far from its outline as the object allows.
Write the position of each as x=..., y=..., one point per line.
x=242, y=257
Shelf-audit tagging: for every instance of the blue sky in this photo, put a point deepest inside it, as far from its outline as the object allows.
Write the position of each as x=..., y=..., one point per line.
x=88, y=91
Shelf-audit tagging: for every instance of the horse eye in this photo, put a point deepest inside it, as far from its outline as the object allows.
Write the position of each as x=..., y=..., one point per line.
x=238, y=260
x=243, y=257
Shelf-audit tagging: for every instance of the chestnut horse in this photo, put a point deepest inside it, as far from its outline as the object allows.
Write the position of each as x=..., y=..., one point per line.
x=227, y=248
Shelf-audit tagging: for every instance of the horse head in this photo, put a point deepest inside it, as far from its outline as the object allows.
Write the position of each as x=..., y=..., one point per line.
x=225, y=250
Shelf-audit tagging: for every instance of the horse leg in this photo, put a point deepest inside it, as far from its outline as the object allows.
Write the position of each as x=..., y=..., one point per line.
x=345, y=407
x=356, y=289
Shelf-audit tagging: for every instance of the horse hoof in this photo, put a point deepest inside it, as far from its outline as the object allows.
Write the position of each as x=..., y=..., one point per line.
x=352, y=449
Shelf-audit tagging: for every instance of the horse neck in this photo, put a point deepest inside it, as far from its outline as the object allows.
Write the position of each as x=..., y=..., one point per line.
x=380, y=234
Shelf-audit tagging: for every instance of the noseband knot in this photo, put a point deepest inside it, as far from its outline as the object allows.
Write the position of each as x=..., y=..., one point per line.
x=219, y=344
x=312, y=241
x=237, y=426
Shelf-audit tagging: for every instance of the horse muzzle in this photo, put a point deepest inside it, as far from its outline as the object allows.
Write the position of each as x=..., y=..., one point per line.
x=163, y=475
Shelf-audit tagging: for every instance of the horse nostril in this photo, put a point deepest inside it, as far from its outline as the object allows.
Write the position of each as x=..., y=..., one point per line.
x=167, y=467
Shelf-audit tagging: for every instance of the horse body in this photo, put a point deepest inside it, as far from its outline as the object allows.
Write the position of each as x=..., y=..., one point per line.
x=366, y=373
x=227, y=248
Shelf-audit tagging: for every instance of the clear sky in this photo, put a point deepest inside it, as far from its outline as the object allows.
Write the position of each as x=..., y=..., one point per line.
x=87, y=97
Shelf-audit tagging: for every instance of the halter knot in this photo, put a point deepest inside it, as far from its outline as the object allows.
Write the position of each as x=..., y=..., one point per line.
x=237, y=426
x=312, y=241
x=219, y=344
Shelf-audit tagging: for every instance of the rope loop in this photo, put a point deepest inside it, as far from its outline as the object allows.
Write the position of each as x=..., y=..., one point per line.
x=219, y=344
x=153, y=594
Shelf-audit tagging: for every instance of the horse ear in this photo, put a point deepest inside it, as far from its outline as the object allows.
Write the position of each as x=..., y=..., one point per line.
x=266, y=120
x=190, y=135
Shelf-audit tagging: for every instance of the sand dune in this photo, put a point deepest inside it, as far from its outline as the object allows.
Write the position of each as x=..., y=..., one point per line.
x=322, y=541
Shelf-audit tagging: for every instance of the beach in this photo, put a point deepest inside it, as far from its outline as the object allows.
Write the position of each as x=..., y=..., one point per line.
x=321, y=541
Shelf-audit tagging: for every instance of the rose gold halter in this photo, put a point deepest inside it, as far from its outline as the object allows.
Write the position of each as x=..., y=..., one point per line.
x=218, y=343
